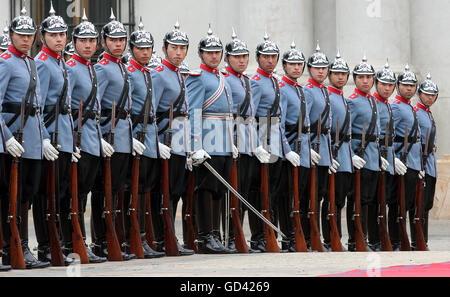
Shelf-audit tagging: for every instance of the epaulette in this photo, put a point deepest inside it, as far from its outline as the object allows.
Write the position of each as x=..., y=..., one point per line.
x=196, y=72
x=71, y=63
x=131, y=68
x=5, y=56
x=104, y=62
x=353, y=96
x=256, y=77
x=43, y=57
x=159, y=68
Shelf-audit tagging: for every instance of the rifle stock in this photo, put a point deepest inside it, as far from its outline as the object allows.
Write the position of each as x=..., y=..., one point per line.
x=384, y=235
x=57, y=258
x=16, y=252
x=300, y=243
x=77, y=236
x=271, y=240
x=149, y=236
x=135, y=232
x=190, y=231
x=239, y=236
x=316, y=243
x=336, y=244
x=420, y=240
x=404, y=240
x=359, y=234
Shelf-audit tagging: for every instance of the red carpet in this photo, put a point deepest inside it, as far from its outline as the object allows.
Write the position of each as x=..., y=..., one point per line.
x=425, y=270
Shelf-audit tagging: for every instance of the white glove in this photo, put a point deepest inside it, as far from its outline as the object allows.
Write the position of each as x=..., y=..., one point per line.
x=14, y=147
x=199, y=157
x=235, y=152
x=164, y=151
x=400, y=168
x=315, y=157
x=50, y=152
x=421, y=174
x=262, y=155
x=334, y=166
x=358, y=162
x=294, y=158
x=138, y=147
x=76, y=155
x=384, y=164
x=108, y=150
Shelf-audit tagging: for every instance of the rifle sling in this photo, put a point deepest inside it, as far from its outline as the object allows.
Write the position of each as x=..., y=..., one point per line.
x=178, y=104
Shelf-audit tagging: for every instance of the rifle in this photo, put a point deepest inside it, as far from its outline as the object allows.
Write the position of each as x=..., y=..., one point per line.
x=401, y=219
x=336, y=245
x=149, y=236
x=300, y=243
x=421, y=245
x=114, y=252
x=57, y=258
x=384, y=235
x=135, y=236
x=119, y=221
x=170, y=241
x=271, y=240
x=316, y=243
x=239, y=236
x=77, y=236
x=188, y=217
x=359, y=234
x=16, y=252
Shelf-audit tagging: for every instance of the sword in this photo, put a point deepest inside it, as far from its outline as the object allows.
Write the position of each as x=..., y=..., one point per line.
x=230, y=188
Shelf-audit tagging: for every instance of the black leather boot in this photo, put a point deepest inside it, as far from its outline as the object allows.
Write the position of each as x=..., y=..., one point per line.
x=149, y=253
x=206, y=244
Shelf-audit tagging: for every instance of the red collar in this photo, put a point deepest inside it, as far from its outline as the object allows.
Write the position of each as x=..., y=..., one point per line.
x=112, y=58
x=336, y=91
x=421, y=106
x=231, y=70
x=209, y=69
x=316, y=84
x=83, y=61
x=289, y=81
x=138, y=66
x=262, y=72
x=357, y=91
x=170, y=65
x=379, y=98
x=14, y=51
x=51, y=53
x=400, y=98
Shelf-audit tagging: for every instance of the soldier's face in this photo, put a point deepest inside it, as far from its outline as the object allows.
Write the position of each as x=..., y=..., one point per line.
x=238, y=62
x=55, y=41
x=427, y=99
x=268, y=62
x=142, y=54
x=22, y=43
x=116, y=45
x=338, y=79
x=364, y=82
x=385, y=90
x=212, y=59
x=293, y=70
x=406, y=91
x=319, y=74
x=175, y=54
x=86, y=47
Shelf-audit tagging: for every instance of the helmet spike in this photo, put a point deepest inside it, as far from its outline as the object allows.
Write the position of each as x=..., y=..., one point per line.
x=386, y=66
x=141, y=25
x=317, y=47
x=177, y=25
x=293, y=45
x=52, y=11
x=84, y=17
x=112, y=17
x=407, y=67
x=210, y=31
x=266, y=36
x=364, y=59
x=233, y=35
x=338, y=54
x=429, y=76
x=23, y=12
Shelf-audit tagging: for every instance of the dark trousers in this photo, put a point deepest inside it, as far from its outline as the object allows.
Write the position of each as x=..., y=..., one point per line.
x=29, y=174
x=62, y=200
